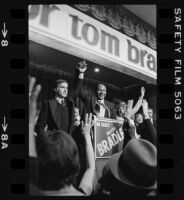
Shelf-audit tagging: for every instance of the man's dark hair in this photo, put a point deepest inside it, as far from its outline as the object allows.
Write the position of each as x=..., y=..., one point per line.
x=59, y=81
x=59, y=160
x=100, y=84
x=149, y=108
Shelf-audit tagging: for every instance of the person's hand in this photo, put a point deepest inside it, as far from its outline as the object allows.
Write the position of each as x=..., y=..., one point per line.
x=132, y=129
x=129, y=109
x=142, y=91
x=86, y=126
x=82, y=66
x=145, y=108
x=33, y=95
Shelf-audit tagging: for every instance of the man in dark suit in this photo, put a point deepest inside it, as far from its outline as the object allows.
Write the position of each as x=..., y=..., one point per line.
x=58, y=113
x=146, y=129
x=152, y=117
x=98, y=105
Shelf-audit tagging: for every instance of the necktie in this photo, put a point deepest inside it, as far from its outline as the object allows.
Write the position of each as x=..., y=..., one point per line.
x=63, y=102
x=104, y=106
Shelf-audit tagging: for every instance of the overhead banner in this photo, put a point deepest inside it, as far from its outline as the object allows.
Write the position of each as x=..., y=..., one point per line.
x=108, y=137
x=66, y=25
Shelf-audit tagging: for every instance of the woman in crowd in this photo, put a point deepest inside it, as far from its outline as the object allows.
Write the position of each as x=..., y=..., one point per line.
x=138, y=119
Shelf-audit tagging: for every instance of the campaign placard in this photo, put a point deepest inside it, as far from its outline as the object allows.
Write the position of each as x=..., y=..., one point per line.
x=109, y=137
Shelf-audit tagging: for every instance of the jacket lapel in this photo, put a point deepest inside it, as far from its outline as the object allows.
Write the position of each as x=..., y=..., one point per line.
x=53, y=108
x=71, y=113
x=93, y=103
x=108, y=107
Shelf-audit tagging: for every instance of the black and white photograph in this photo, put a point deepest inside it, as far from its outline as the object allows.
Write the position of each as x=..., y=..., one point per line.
x=92, y=100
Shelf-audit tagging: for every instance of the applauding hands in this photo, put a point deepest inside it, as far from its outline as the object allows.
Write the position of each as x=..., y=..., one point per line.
x=142, y=92
x=128, y=111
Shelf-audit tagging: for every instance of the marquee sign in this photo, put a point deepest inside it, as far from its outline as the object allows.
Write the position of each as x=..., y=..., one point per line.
x=123, y=20
x=108, y=137
x=68, y=26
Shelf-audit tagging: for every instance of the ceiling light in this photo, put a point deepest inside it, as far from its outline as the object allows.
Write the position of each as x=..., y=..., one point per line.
x=97, y=69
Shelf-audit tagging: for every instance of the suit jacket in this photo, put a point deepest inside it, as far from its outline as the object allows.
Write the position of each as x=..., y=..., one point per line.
x=48, y=112
x=154, y=122
x=147, y=131
x=90, y=106
x=48, y=116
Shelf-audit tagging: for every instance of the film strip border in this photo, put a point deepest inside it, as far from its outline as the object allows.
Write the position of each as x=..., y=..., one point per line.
x=14, y=101
x=165, y=99
x=169, y=102
x=14, y=161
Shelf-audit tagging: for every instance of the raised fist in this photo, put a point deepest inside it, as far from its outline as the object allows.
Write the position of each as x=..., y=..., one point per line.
x=82, y=66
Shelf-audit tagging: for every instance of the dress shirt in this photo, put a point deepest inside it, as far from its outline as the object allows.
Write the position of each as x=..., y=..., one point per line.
x=101, y=101
x=60, y=100
x=103, y=108
x=151, y=120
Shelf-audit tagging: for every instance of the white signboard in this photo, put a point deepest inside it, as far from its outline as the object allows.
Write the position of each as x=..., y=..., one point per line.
x=69, y=26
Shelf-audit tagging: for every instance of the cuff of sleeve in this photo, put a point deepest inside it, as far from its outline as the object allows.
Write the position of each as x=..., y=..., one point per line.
x=146, y=117
x=85, y=189
x=81, y=75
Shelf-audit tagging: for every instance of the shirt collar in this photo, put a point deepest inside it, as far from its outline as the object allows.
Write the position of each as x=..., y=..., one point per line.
x=101, y=101
x=59, y=100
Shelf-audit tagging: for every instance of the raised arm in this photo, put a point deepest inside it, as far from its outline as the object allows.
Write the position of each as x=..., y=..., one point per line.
x=86, y=183
x=79, y=76
x=41, y=121
x=139, y=102
x=131, y=126
x=33, y=95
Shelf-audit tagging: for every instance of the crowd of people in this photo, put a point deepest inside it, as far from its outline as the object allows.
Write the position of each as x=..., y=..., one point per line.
x=62, y=159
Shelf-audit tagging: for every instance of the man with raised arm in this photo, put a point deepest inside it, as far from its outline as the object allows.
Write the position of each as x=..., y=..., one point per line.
x=58, y=113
